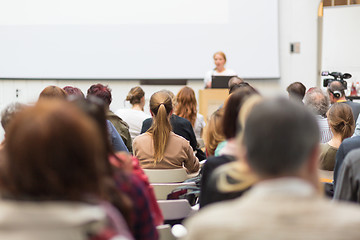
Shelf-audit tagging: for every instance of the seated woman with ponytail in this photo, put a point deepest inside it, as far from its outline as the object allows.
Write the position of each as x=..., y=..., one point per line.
x=342, y=125
x=159, y=147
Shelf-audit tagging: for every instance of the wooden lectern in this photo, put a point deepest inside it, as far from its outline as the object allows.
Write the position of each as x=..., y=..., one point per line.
x=210, y=100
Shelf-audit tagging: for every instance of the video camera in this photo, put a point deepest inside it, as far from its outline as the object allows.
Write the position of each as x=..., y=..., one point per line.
x=337, y=76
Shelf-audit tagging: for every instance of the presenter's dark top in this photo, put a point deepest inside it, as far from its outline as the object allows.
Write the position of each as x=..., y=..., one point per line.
x=182, y=127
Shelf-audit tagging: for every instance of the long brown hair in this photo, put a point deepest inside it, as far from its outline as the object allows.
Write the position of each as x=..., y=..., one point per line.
x=161, y=107
x=52, y=153
x=214, y=133
x=186, y=105
x=232, y=107
x=341, y=119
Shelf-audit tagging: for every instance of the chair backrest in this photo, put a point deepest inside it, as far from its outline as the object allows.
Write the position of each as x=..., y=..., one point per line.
x=175, y=209
x=165, y=232
x=166, y=175
x=161, y=190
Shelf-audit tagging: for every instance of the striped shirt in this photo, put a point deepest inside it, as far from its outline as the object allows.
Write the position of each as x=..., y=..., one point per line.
x=325, y=132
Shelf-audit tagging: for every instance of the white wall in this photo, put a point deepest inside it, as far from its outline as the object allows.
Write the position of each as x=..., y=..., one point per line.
x=298, y=23
x=341, y=54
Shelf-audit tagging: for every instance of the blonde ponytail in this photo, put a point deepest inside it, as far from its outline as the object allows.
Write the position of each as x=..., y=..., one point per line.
x=161, y=107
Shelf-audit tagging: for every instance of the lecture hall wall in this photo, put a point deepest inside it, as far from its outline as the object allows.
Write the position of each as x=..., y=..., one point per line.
x=298, y=23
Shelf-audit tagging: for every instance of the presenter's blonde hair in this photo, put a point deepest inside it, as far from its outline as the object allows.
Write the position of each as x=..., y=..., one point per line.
x=221, y=54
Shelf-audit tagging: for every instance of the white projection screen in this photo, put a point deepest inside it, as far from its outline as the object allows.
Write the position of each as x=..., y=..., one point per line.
x=137, y=39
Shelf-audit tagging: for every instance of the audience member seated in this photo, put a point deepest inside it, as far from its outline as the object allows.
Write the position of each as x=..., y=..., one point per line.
x=319, y=103
x=214, y=133
x=104, y=92
x=230, y=118
x=221, y=181
x=285, y=203
x=159, y=147
x=186, y=107
x=53, y=92
x=226, y=153
x=341, y=123
x=181, y=127
x=129, y=178
x=135, y=116
x=54, y=187
x=336, y=91
x=348, y=180
x=296, y=91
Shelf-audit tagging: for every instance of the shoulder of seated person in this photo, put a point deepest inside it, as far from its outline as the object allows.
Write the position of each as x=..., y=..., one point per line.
x=179, y=137
x=351, y=140
x=141, y=136
x=353, y=156
x=214, y=159
x=148, y=119
x=181, y=120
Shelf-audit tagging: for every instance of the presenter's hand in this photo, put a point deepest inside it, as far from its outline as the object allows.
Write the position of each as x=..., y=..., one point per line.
x=208, y=85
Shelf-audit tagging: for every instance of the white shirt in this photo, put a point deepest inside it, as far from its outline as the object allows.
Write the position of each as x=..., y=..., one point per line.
x=134, y=118
x=199, y=125
x=226, y=72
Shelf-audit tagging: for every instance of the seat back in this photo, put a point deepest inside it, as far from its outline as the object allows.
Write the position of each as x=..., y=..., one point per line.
x=161, y=190
x=166, y=175
x=175, y=209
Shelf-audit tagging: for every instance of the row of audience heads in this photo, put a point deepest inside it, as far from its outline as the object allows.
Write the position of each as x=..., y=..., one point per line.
x=340, y=116
x=268, y=152
x=272, y=131
x=59, y=148
x=185, y=100
x=134, y=96
x=43, y=132
x=275, y=136
x=72, y=133
x=335, y=89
